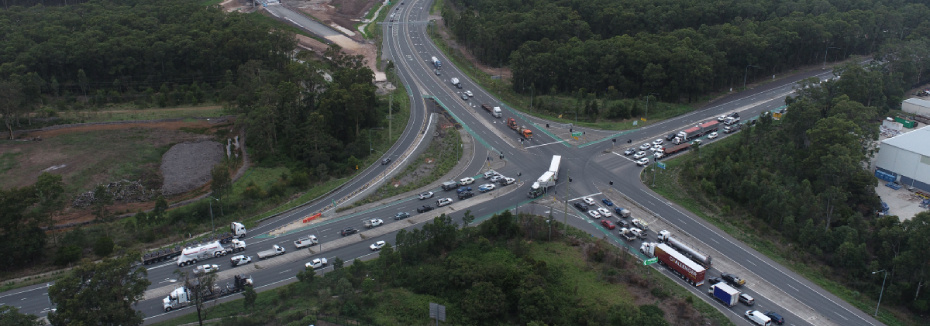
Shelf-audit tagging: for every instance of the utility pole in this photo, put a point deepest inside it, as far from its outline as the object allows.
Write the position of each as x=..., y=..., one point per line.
x=565, y=211
x=390, y=118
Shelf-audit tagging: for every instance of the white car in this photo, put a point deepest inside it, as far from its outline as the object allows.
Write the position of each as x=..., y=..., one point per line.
x=377, y=245
x=490, y=174
x=486, y=187
x=712, y=135
x=658, y=141
x=443, y=202
x=721, y=118
x=643, y=162
x=469, y=93
x=589, y=201
x=426, y=195
x=658, y=148
x=507, y=181
x=594, y=214
x=645, y=146
x=316, y=263
x=659, y=155
x=605, y=212
x=206, y=269
x=639, y=155
x=496, y=178
x=466, y=181
x=240, y=260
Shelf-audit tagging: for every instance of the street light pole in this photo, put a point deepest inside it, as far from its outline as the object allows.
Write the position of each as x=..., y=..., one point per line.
x=746, y=72
x=882, y=292
x=211, y=213
x=825, y=56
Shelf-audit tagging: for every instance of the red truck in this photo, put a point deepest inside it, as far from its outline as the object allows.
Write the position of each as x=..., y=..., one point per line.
x=696, y=131
x=677, y=148
x=685, y=268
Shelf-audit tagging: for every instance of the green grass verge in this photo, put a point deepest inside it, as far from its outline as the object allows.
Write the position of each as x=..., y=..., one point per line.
x=667, y=184
x=210, y=111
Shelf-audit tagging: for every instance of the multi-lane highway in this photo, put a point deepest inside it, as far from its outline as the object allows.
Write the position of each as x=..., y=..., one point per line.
x=408, y=46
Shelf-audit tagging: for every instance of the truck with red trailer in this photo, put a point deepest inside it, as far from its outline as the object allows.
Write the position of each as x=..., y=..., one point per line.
x=675, y=149
x=696, y=131
x=691, y=272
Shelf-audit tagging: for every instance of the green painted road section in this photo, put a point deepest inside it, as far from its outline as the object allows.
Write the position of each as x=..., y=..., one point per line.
x=607, y=138
x=520, y=114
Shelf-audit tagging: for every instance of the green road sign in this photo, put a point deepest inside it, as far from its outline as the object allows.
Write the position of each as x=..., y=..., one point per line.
x=661, y=165
x=650, y=261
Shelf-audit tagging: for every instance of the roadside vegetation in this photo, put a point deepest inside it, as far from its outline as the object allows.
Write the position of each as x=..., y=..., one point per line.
x=809, y=202
x=506, y=270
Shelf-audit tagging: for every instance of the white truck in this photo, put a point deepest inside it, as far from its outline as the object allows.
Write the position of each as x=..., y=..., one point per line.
x=208, y=250
x=307, y=241
x=454, y=81
x=699, y=257
x=436, y=62
x=724, y=293
x=316, y=263
x=237, y=229
x=548, y=179
x=182, y=297
x=375, y=222
x=627, y=234
x=274, y=251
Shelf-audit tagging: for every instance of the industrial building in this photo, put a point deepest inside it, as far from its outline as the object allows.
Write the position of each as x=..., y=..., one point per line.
x=916, y=106
x=905, y=159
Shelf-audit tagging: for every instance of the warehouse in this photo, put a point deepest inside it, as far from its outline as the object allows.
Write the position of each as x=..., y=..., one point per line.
x=906, y=159
x=916, y=106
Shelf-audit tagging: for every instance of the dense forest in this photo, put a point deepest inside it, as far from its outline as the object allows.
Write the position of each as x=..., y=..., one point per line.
x=803, y=177
x=677, y=49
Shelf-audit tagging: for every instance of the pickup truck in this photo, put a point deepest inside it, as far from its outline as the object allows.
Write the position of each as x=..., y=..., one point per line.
x=274, y=251
x=317, y=263
x=627, y=234
x=240, y=260
x=375, y=222
x=306, y=241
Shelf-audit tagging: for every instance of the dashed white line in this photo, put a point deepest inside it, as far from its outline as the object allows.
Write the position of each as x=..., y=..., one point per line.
x=794, y=288
x=753, y=264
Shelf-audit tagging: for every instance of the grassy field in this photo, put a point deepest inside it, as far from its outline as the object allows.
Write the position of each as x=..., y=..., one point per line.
x=209, y=111
x=668, y=185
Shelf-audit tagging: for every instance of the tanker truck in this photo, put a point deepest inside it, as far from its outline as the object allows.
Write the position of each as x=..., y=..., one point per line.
x=697, y=256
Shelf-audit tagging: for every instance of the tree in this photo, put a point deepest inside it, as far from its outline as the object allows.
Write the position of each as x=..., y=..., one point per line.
x=10, y=315
x=338, y=263
x=468, y=218
x=49, y=189
x=102, y=293
x=161, y=206
x=21, y=239
x=11, y=102
x=222, y=183
x=250, y=297
x=102, y=198
x=201, y=288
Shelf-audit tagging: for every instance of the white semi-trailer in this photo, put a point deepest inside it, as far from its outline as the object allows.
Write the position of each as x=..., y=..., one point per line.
x=548, y=179
x=191, y=255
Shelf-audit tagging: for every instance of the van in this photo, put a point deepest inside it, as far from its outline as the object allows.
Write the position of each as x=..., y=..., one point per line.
x=746, y=299
x=449, y=185
x=758, y=318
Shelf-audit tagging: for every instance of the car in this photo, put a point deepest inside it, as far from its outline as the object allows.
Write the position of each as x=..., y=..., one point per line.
x=424, y=208
x=670, y=137
x=490, y=174
x=443, y=202
x=658, y=141
x=466, y=181
x=604, y=212
x=732, y=279
x=486, y=187
x=642, y=162
x=373, y=223
x=240, y=260
x=608, y=224
x=386, y=161
x=645, y=146
x=464, y=97
x=594, y=214
x=734, y=115
x=377, y=245
x=589, y=201
x=459, y=85
x=206, y=269
x=466, y=195
x=721, y=118
x=657, y=148
x=639, y=155
x=317, y=263
x=659, y=155
x=581, y=206
x=713, y=280
x=401, y=215
x=507, y=181
x=776, y=318
x=469, y=93
x=712, y=135
x=348, y=231
x=496, y=178
x=696, y=142
x=624, y=224
x=426, y=195
x=607, y=202
x=463, y=189
x=437, y=72
x=746, y=299
x=629, y=151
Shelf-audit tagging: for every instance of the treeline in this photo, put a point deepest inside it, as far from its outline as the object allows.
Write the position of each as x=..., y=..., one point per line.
x=803, y=177
x=677, y=49
x=103, y=51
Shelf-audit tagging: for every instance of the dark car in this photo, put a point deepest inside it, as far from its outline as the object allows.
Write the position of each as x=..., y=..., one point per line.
x=670, y=137
x=581, y=206
x=607, y=202
x=401, y=215
x=713, y=280
x=348, y=231
x=425, y=208
x=386, y=161
x=465, y=97
x=463, y=189
x=732, y=279
x=623, y=224
x=776, y=318
x=734, y=115
x=467, y=194
x=629, y=151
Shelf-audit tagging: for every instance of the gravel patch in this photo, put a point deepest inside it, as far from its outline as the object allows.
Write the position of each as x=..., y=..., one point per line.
x=187, y=166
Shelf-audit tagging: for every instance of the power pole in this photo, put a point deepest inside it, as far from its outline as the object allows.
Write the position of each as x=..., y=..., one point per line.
x=390, y=118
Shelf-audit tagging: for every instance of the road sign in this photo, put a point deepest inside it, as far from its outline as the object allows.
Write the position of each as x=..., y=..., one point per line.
x=661, y=165
x=650, y=261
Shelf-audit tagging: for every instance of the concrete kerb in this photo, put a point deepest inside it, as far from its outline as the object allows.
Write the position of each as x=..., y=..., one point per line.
x=720, y=262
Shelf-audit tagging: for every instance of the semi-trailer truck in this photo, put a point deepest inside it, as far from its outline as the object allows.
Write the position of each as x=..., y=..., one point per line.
x=523, y=131
x=696, y=131
x=191, y=255
x=675, y=149
x=547, y=179
x=691, y=272
x=494, y=111
x=436, y=62
x=699, y=257
x=726, y=294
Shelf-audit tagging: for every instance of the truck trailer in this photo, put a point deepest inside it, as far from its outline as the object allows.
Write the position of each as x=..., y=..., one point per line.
x=182, y=297
x=691, y=272
x=726, y=294
x=436, y=62
x=274, y=251
x=699, y=257
x=191, y=255
x=522, y=130
x=696, y=131
x=675, y=149
x=494, y=111
x=548, y=178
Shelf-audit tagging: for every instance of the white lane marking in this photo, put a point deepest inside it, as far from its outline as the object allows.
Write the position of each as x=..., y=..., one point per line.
x=789, y=285
x=555, y=142
x=591, y=195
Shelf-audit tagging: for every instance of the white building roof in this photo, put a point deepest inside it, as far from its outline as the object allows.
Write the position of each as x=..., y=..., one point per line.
x=917, y=101
x=917, y=141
